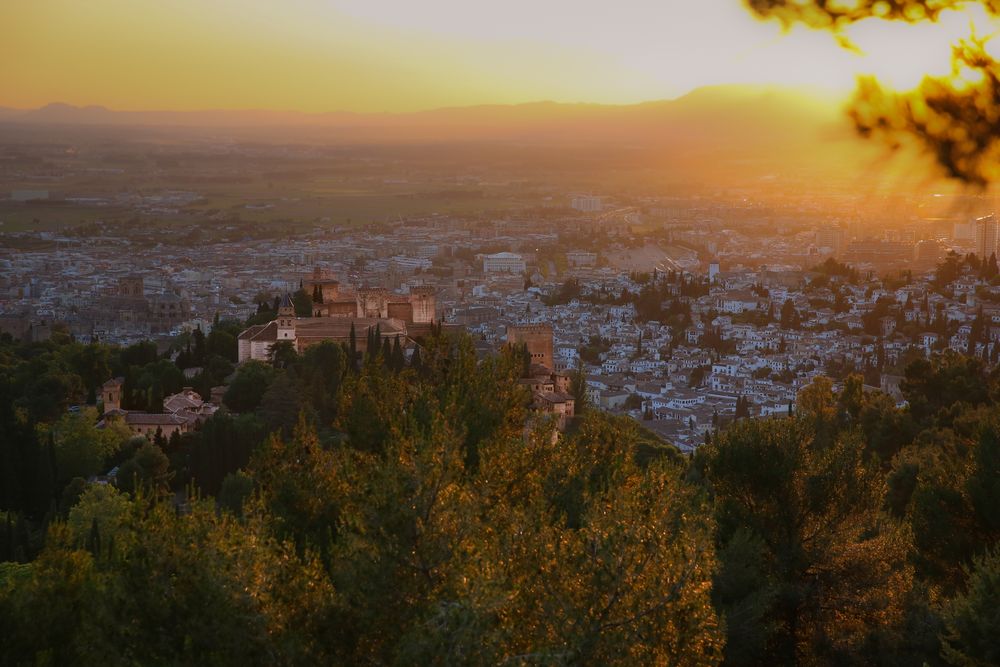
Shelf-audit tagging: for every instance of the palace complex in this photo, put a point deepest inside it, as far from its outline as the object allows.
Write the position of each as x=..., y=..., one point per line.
x=336, y=311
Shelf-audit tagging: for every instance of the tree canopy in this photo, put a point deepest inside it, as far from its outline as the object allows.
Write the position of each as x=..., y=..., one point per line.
x=421, y=512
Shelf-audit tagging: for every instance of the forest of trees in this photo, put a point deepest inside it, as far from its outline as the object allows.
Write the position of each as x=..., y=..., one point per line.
x=378, y=510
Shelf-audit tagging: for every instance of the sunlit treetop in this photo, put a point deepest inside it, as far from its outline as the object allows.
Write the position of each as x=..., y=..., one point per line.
x=954, y=118
x=836, y=14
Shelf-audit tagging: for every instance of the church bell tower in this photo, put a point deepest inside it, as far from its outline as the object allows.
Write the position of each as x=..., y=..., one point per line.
x=286, y=318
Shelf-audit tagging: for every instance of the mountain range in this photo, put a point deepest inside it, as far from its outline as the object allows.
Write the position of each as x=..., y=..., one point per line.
x=725, y=110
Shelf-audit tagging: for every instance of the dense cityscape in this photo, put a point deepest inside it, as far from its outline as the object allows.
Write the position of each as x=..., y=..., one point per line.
x=519, y=334
x=678, y=312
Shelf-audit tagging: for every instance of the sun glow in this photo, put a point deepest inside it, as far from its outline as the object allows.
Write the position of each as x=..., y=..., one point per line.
x=392, y=55
x=901, y=54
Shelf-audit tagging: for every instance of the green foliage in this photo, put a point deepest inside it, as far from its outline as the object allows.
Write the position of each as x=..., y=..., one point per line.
x=179, y=589
x=423, y=514
x=147, y=470
x=948, y=270
x=223, y=444
x=81, y=449
x=790, y=318
x=831, y=268
x=567, y=292
x=303, y=302
x=281, y=403
x=933, y=386
x=235, y=492
x=282, y=354
x=321, y=371
x=248, y=386
x=592, y=351
x=983, y=485
x=222, y=342
x=578, y=389
x=101, y=505
x=810, y=567
x=973, y=618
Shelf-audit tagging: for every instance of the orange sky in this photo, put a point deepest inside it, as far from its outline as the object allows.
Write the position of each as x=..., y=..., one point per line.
x=402, y=55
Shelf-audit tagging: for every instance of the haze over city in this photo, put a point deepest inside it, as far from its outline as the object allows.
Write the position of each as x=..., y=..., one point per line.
x=339, y=332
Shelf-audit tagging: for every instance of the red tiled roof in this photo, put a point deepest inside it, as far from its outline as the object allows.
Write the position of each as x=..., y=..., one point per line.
x=152, y=419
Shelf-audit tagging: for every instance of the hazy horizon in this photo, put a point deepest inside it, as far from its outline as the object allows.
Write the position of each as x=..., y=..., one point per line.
x=815, y=93
x=345, y=56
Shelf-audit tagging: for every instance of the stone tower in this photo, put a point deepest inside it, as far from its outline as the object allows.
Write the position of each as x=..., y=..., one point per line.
x=131, y=287
x=424, y=304
x=111, y=394
x=286, y=318
x=538, y=339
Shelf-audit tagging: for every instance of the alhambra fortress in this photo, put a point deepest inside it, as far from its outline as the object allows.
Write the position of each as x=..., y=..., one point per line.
x=336, y=310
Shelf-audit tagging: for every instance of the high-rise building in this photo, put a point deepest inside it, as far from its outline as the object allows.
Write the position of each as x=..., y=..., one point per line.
x=987, y=230
x=963, y=231
x=713, y=270
x=587, y=203
x=927, y=254
x=831, y=239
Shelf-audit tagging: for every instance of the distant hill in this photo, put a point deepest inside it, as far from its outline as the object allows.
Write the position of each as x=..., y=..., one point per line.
x=721, y=133
x=721, y=109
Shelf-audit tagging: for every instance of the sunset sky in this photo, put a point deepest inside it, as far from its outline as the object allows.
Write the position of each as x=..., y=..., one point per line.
x=402, y=55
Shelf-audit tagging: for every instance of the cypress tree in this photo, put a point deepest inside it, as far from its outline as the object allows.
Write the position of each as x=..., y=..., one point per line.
x=93, y=544
x=22, y=541
x=45, y=477
x=7, y=546
x=398, y=361
x=154, y=400
x=386, y=352
x=742, y=408
x=200, y=349
x=128, y=391
x=174, y=443
x=353, y=349
x=977, y=332
x=416, y=363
